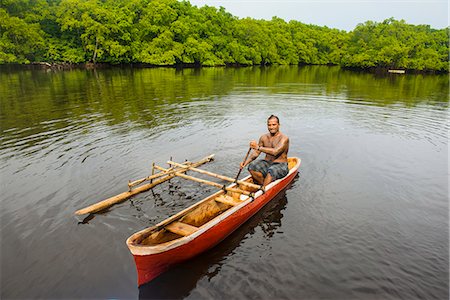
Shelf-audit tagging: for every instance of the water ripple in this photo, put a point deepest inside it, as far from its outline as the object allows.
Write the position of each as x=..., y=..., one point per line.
x=367, y=216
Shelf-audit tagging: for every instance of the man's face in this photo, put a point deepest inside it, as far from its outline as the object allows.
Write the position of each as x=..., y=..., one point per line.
x=273, y=126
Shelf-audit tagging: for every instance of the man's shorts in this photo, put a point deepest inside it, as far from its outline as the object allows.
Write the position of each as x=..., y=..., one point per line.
x=276, y=170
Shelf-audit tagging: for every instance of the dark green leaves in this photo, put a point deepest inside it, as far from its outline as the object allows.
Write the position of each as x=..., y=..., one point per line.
x=170, y=32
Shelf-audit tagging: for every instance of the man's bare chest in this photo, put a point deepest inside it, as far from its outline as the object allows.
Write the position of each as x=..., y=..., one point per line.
x=272, y=142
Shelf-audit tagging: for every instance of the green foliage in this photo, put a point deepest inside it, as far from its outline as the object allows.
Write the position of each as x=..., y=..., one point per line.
x=20, y=41
x=170, y=32
x=103, y=30
x=395, y=44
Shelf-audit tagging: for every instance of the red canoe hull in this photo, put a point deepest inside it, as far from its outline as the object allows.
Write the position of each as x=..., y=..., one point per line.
x=150, y=266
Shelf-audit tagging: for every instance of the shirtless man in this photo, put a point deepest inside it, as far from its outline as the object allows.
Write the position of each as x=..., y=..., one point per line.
x=276, y=146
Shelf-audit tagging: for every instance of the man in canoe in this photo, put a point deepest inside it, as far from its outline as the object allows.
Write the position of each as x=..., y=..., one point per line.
x=276, y=146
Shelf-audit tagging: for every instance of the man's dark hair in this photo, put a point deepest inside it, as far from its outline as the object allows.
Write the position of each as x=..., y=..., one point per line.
x=273, y=117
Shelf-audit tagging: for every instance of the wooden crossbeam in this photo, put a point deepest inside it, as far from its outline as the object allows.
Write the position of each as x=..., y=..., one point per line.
x=181, y=228
x=160, y=174
x=102, y=205
x=248, y=184
x=227, y=200
x=212, y=183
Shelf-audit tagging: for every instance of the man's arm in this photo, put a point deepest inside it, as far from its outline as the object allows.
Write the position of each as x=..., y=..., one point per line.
x=255, y=153
x=280, y=148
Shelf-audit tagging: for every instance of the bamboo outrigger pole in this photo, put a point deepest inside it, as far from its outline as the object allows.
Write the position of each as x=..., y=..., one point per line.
x=218, y=185
x=154, y=176
x=102, y=205
x=248, y=184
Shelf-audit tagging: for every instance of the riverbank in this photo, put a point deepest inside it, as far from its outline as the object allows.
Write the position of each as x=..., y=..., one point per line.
x=90, y=66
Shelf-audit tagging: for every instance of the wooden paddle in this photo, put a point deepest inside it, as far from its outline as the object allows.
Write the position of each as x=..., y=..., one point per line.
x=240, y=169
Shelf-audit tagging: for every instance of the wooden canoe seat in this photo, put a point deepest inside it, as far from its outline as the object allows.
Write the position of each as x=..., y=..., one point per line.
x=181, y=228
x=227, y=200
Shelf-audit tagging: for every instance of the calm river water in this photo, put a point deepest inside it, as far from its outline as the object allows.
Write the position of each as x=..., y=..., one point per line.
x=367, y=217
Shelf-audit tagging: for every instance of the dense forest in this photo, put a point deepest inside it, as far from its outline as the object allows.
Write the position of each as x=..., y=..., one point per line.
x=170, y=32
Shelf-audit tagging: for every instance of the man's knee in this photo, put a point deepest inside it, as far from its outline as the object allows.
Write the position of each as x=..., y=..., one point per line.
x=252, y=166
x=259, y=166
x=255, y=173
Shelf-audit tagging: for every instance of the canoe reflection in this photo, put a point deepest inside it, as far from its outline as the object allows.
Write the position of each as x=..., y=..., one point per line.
x=179, y=281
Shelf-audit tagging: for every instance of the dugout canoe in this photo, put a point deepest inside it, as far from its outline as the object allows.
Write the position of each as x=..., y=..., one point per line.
x=200, y=226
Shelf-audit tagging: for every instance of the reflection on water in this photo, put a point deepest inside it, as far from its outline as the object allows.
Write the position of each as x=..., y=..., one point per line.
x=35, y=107
x=367, y=218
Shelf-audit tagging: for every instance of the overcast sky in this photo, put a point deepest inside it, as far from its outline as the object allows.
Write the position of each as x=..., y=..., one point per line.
x=338, y=13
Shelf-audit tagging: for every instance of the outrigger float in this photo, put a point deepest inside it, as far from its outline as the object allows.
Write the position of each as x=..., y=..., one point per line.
x=198, y=227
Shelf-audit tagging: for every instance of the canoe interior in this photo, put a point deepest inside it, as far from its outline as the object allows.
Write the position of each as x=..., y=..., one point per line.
x=199, y=214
